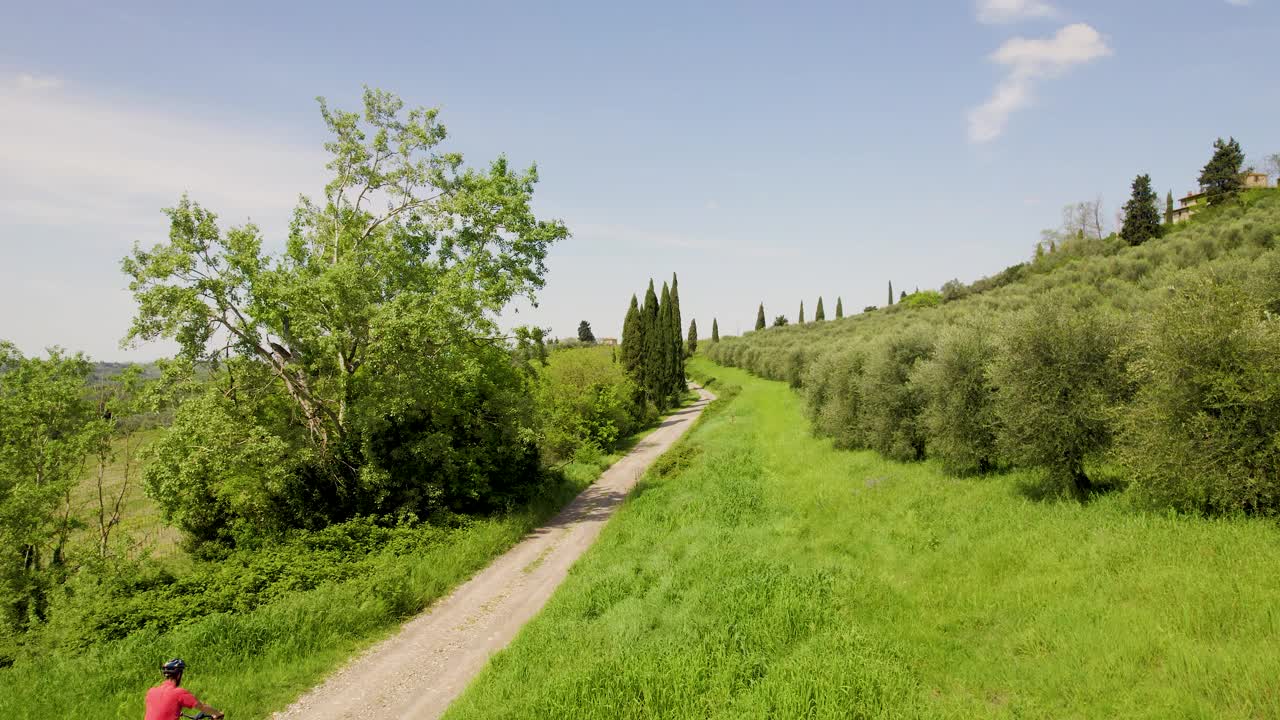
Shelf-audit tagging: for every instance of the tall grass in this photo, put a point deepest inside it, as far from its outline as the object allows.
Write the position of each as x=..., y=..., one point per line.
x=774, y=576
x=253, y=663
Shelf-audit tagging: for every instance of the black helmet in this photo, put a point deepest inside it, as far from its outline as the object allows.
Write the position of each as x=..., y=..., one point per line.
x=173, y=668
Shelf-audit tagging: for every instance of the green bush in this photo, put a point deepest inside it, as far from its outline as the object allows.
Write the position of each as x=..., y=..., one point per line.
x=891, y=406
x=833, y=389
x=1059, y=377
x=585, y=398
x=959, y=414
x=1203, y=434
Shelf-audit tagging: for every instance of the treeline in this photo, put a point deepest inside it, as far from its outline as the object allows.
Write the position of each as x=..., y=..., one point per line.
x=1150, y=367
x=357, y=377
x=653, y=348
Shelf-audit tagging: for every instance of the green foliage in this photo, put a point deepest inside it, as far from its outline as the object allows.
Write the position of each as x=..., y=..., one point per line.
x=1095, y=278
x=922, y=299
x=584, y=398
x=715, y=330
x=47, y=426
x=1060, y=375
x=1141, y=216
x=1202, y=433
x=818, y=314
x=780, y=321
x=959, y=413
x=800, y=317
x=890, y=405
x=1168, y=208
x=375, y=325
x=584, y=333
x=760, y=317
x=691, y=344
x=633, y=342
x=833, y=387
x=1220, y=177
x=797, y=581
x=890, y=302
x=839, y=308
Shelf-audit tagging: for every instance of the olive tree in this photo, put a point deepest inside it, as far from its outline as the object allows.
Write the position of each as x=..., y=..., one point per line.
x=1058, y=378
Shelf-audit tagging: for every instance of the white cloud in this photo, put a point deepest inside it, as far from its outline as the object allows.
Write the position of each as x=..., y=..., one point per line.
x=1029, y=62
x=29, y=82
x=82, y=178
x=999, y=12
x=75, y=159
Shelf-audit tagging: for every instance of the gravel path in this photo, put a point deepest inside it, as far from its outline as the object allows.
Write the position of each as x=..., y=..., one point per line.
x=419, y=671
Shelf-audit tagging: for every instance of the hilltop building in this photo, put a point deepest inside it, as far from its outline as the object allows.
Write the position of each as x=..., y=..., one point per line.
x=1193, y=201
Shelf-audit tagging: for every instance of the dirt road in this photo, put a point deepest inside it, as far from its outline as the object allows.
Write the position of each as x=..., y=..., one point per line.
x=419, y=671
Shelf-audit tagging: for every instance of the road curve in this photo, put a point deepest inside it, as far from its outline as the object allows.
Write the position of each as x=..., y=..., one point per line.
x=420, y=670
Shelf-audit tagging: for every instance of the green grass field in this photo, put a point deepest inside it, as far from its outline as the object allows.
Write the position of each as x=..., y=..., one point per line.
x=251, y=664
x=762, y=574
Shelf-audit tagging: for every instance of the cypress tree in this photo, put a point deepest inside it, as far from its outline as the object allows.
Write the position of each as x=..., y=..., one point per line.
x=1168, y=208
x=691, y=346
x=760, y=317
x=839, y=307
x=665, y=379
x=678, y=382
x=650, y=332
x=1141, y=214
x=818, y=314
x=1221, y=177
x=800, y=320
x=715, y=330
x=890, y=292
x=633, y=342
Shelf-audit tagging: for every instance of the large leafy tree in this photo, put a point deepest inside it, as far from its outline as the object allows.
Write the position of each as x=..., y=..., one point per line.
x=584, y=332
x=386, y=285
x=1141, y=214
x=47, y=426
x=1220, y=178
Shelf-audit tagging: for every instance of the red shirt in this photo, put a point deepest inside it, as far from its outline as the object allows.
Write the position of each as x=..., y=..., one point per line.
x=166, y=701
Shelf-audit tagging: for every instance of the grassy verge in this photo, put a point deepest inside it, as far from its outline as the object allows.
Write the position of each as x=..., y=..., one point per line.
x=770, y=575
x=255, y=662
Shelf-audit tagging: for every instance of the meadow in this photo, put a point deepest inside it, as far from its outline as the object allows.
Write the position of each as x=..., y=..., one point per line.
x=253, y=660
x=759, y=572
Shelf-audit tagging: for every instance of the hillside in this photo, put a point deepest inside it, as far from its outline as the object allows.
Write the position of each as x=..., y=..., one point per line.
x=1100, y=364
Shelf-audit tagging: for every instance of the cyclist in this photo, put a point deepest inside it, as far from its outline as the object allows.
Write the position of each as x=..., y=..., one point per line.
x=166, y=700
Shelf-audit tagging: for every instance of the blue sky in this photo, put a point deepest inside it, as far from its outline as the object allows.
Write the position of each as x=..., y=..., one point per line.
x=766, y=151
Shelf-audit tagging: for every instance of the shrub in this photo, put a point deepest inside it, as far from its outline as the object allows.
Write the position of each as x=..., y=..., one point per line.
x=891, y=406
x=584, y=398
x=1059, y=377
x=834, y=397
x=959, y=414
x=1202, y=433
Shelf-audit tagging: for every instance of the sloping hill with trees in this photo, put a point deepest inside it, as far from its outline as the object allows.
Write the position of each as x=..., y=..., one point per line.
x=1100, y=363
